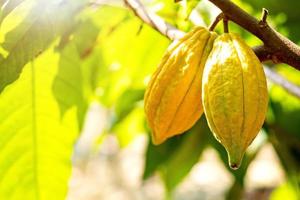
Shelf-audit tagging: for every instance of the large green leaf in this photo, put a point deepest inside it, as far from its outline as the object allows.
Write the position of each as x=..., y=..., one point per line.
x=186, y=155
x=35, y=141
x=33, y=35
x=176, y=157
x=69, y=83
x=129, y=116
x=158, y=155
x=130, y=54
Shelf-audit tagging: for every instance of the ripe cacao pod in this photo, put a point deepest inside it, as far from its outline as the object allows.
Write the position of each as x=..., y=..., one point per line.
x=173, y=96
x=235, y=96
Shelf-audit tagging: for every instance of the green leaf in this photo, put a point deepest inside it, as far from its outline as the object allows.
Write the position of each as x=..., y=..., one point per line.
x=129, y=117
x=33, y=35
x=157, y=155
x=189, y=6
x=70, y=76
x=131, y=126
x=185, y=156
x=67, y=85
x=126, y=70
x=127, y=102
x=35, y=141
x=176, y=157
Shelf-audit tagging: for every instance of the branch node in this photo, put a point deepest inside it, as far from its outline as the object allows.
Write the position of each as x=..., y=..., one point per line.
x=275, y=59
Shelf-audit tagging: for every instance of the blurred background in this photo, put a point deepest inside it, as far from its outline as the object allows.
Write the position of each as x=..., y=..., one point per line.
x=72, y=80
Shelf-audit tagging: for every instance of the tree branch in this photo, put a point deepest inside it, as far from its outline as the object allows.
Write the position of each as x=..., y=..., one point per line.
x=263, y=52
x=277, y=46
x=153, y=20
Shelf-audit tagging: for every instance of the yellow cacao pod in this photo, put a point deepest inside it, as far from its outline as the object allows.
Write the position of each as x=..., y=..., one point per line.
x=235, y=96
x=173, y=96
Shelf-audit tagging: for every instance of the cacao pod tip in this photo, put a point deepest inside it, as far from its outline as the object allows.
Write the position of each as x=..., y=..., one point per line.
x=234, y=166
x=156, y=140
x=235, y=159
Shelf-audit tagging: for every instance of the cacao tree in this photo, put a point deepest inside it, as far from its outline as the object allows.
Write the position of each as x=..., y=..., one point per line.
x=186, y=75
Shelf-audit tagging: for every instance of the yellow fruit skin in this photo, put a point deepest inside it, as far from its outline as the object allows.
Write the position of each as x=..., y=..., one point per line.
x=234, y=95
x=173, y=97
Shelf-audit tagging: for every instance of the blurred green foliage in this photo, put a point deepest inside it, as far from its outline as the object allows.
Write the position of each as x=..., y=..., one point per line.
x=59, y=56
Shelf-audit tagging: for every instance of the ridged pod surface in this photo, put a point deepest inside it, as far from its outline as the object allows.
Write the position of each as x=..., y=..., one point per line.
x=235, y=96
x=173, y=97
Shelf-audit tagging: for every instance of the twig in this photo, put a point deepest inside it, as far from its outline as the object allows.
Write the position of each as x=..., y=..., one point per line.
x=263, y=52
x=153, y=20
x=265, y=13
x=216, y=21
